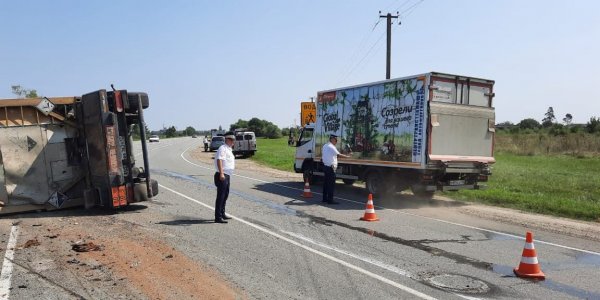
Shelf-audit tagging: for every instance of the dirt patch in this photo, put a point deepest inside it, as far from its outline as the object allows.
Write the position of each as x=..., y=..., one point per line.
x=30, y=243
x=582, y=229
x=244, y=164
x=116, y=258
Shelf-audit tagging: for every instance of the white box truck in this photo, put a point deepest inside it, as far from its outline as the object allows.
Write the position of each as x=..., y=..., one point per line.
x=426, y=132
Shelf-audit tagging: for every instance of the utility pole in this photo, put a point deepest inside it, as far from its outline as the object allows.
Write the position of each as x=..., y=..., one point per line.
x=389, y=18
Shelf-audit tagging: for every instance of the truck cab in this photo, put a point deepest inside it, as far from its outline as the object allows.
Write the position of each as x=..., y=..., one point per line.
x=305, y=150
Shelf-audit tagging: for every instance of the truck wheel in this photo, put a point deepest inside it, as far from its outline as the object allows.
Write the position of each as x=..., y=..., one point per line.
x=375, y=184
x=154, y=187
x=419, y=191
x=139, y=192
x=348, y=181
x=307, y=176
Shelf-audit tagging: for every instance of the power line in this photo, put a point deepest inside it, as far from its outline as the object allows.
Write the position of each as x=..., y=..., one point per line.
x=399, y=7
x=363, y=58
x=361, y=47
x=410, y=10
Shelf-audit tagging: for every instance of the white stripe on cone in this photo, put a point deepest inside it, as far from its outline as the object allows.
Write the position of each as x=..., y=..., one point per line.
x=529, y=246
x=529, y=260
x=370, y=211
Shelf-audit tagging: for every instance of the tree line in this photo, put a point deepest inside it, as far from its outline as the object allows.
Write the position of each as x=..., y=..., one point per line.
x=550, y=124
x=261, y=128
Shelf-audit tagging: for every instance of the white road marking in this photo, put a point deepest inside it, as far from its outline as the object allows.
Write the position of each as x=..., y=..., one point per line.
x=7, y=265
x=406, y=213
x=344, y=252
x=315, y=251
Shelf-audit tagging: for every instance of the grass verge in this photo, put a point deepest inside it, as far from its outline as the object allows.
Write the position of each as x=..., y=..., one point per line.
x=275, y=153
x=556, y=185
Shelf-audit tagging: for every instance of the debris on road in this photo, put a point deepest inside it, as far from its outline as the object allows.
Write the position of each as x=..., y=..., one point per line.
x=169, y=256
x=52, y=236
x=86, y=247
x=30, y=243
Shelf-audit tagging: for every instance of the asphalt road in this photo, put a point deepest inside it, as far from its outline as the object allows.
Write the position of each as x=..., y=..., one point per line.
x=282, y=246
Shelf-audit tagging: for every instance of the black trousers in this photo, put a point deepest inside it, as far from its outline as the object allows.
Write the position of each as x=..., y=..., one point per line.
x=329, y=184
x=222, y=194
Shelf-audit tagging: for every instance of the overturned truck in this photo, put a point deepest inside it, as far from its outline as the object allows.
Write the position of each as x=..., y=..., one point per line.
x=73, y=151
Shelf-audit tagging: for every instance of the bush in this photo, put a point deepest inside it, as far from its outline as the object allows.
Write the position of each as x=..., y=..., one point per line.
x=529, y=124
x=593, y=125
x=558, y=129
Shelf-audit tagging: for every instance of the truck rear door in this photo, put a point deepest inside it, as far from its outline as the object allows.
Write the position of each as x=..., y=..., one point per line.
x=462, y=119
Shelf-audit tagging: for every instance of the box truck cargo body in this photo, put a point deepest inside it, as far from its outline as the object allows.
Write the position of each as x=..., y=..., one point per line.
x=426, y=132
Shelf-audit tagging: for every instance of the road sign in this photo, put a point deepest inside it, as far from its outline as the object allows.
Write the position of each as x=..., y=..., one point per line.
x=308, y=112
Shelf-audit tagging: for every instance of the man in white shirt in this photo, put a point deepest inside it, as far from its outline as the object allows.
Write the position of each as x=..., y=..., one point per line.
x=224, y=165
x=330, y=155
x=205, y=142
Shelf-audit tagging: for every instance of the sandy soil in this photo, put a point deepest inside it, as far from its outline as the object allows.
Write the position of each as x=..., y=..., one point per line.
x=131, y=264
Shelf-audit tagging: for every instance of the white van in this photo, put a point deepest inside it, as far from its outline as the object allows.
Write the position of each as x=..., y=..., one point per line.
x=245, y=143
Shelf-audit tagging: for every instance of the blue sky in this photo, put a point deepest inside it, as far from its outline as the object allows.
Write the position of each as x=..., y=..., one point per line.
x=209, y=63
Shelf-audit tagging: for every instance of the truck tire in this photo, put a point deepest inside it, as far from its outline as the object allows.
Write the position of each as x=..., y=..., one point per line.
x=348, y=181
x=133, y=101
x=419, y=191
x=141, y=194
x=376, y=184
x=307, y=176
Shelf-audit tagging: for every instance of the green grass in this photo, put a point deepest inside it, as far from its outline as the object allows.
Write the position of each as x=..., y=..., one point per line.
x=556, y=185
x=275, y=153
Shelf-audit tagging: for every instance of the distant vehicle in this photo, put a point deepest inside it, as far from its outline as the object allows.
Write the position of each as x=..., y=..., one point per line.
x=427, y=132
x=194, y=136
x=216, y=142
x=245, y=143
x=154, y=138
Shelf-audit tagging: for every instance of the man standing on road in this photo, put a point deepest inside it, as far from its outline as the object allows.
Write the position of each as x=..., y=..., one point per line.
x=224, y=165
x=205, y=141
x=330, y=155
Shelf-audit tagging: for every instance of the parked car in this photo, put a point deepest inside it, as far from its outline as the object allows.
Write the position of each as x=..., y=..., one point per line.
x=216, y=142
x=154, y=138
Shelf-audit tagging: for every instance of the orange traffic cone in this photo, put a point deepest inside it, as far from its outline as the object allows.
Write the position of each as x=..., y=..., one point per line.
x=370, y=211
x=529, y=266
x=307, y=193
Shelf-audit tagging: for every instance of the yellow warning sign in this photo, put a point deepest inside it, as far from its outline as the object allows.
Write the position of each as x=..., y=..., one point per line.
x=308, y=112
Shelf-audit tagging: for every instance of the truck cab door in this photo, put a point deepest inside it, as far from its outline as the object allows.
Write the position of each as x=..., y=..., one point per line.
x=304, y=147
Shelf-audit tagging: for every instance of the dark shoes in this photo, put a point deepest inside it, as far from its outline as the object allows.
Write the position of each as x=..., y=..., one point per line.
x=221, y=221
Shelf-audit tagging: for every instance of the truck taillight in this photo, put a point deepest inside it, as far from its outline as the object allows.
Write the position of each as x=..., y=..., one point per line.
x=118, y=101
x=115, y=196
x=122, y=196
